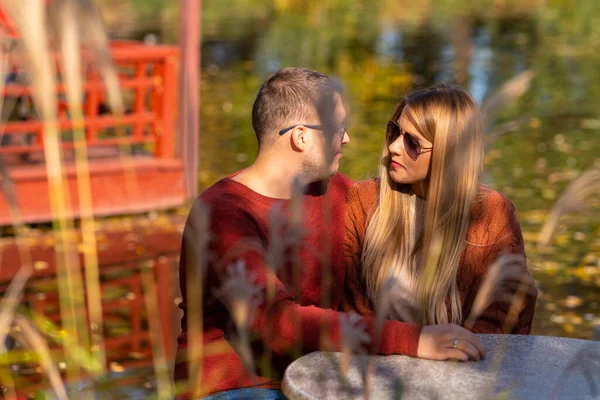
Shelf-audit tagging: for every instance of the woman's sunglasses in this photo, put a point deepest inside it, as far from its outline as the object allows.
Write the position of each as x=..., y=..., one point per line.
x=411, y=145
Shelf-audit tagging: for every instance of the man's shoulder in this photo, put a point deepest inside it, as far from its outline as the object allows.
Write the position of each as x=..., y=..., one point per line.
x=338, y=186
x=225, y=196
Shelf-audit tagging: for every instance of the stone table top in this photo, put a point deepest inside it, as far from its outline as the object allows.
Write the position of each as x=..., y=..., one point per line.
x=516, y=367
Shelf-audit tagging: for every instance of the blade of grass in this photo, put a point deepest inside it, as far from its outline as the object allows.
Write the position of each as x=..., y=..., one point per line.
x=65, y=13
x=161, y=370
x=30, y=19
x=17, y=284
x=95, y=37
x=573, y=198
x=196, y=239
x=506, y=267
x=33, y=339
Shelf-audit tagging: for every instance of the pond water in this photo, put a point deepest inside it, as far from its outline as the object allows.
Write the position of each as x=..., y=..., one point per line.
x=380, y=50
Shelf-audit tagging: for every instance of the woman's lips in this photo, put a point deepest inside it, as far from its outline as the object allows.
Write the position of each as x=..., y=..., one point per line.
x=396, y=165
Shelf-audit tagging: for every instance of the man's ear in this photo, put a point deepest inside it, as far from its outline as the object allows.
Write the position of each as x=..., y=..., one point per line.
x=299, y=138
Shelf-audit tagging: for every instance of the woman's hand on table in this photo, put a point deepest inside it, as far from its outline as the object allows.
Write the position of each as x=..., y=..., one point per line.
x=449, y=341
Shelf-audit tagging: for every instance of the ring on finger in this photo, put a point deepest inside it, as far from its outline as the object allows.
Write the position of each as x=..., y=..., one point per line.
x=454, y=343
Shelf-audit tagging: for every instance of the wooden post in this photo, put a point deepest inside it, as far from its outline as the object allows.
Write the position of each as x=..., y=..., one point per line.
x=189, y=92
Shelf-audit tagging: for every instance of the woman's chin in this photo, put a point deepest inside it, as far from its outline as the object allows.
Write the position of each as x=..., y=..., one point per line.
x=399, y=177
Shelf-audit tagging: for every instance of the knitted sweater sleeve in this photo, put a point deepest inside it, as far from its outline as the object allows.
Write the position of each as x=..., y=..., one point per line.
x=281, y=323
x=503, y=235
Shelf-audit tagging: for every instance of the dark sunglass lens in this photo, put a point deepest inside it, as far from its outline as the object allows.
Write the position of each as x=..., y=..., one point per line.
x=392, y=133
x=411, y=146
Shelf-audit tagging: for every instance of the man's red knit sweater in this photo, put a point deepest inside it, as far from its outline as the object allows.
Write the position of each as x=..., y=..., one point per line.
x=301, y=315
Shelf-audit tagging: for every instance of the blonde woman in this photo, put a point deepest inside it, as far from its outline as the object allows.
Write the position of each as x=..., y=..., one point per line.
x=421, y=237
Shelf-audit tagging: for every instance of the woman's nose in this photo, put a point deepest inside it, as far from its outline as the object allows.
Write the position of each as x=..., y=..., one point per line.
x=396, y=146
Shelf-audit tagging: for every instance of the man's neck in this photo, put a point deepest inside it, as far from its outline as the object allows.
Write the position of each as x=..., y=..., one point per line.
x=269, y=177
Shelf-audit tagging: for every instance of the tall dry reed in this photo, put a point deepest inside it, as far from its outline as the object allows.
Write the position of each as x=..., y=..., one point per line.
x=68, y=26
x=196, y=240
x=30, y=18
x=574, y=198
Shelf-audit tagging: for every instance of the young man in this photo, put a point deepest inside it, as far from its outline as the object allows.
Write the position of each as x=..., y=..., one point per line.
x=264, y=249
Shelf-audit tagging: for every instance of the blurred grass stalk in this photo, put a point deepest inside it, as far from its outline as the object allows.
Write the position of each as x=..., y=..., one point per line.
x=95, y=37
x=70, y=19
x=65, y=16
x=506, y=268
x=197, y=239
x=30, y=19
x=31, y=338
x=161, y=369
x=574, y=198
x=17, y=284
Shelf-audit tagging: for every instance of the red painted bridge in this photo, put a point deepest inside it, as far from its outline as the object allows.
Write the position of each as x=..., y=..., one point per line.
x=132, y=162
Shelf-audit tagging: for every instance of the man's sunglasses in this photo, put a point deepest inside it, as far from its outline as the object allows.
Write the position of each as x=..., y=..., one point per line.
x=340, y=131
x=411, y=144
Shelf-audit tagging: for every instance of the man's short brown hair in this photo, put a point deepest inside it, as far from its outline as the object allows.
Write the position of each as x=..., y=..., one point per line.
x=290, y=96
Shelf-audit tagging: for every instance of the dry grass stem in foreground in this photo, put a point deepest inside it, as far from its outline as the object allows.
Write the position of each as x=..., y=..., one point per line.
x=32, y=339
x=13, y=294
x=574, y=198
x=65, y=18
x=242, y=296
x=29, y=17
x=10, y=301
x=196, y=239
x=504, y=129
x=161, y=369
x=95, y=39
x=514, y=88
x=586, y=361
x=355, y=338
x=394, y=303
x=511, y=90
x=496, y=286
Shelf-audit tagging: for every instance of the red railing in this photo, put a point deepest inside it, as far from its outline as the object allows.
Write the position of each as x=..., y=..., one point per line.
x=148, y=78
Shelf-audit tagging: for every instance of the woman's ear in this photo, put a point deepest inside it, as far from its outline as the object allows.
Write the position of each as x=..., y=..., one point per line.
x=299, y=139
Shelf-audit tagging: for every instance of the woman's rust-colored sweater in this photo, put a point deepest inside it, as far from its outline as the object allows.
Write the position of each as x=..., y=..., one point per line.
x=493, y=229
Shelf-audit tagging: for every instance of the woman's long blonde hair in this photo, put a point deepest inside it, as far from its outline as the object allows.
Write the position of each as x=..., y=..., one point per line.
x=449, y=118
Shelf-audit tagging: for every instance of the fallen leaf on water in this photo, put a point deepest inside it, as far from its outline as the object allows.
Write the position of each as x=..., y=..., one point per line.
x=551, y=265
x=557, y=319
x=572, y=302
x=136, y=355
x=40, y=265
x=116, y=367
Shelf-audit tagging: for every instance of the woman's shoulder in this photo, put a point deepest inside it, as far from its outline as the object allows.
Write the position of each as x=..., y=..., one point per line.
x=489, y=203
x=491, y=214
x=363, y=194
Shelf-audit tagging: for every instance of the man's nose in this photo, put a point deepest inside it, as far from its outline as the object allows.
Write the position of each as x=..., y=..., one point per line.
x=346, y=138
